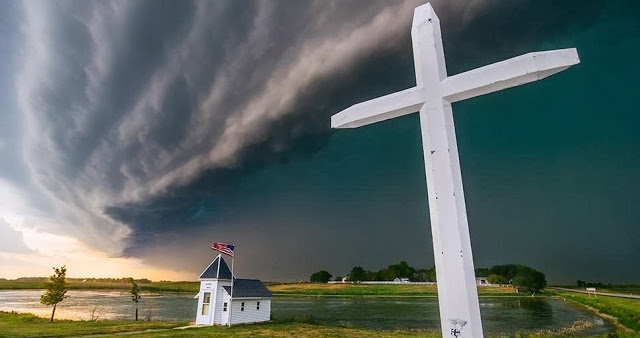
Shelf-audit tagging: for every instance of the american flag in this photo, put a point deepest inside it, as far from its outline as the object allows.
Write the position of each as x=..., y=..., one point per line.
x=225, y=248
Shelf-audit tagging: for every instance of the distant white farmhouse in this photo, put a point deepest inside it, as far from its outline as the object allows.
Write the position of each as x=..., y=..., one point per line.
x=251, y=299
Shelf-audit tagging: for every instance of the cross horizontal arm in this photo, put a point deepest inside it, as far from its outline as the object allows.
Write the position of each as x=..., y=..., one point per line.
x=509, y=73
x=380, y=109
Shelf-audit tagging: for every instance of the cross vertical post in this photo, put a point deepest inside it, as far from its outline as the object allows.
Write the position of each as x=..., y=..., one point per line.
x=459, y=310
x=432, y=97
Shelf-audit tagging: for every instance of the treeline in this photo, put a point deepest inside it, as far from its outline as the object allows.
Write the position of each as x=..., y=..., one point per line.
x=521, y=276
x=391, y=272
x=583, y=284
x=518, y=275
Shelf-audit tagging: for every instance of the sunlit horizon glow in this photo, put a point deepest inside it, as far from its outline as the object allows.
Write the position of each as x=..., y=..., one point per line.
x=50, y=250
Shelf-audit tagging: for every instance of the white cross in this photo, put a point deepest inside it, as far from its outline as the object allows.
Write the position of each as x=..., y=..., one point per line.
x=432, y=96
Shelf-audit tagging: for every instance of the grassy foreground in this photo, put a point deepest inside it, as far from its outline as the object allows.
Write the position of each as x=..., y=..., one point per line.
x=27, y=325
x=626, y=311
x=287, y=329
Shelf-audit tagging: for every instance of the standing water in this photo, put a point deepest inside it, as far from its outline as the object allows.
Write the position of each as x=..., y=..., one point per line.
x=500, y=315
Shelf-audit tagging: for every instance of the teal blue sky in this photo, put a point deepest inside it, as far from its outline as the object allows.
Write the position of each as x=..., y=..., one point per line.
x=182, y=131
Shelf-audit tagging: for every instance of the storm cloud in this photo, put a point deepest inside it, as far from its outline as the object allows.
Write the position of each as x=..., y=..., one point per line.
x=161, y=126
x=11, y=240
x=123, y=101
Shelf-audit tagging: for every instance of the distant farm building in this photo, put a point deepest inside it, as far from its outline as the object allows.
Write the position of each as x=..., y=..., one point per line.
x=402, y=280
x=251, y=299
x=481, y=281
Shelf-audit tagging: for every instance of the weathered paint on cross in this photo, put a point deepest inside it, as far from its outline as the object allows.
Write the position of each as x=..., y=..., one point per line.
x=432, y=97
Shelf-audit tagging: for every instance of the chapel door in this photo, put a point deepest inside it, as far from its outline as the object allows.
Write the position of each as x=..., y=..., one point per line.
x=225, y=312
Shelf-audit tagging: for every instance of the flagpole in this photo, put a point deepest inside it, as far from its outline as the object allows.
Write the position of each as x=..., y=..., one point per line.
x=231, y=298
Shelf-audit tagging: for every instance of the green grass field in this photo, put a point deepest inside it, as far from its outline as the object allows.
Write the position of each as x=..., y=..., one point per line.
x=170, y=286
x=625, y=289
x=78, y=284
x=287, y=329
x=304, y=289
x=627, y=311
x=311, y=289
x=628, y=289
x=26, y=325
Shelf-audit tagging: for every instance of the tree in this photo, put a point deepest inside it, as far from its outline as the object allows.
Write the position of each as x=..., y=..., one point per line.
x=431, y=274
x=420, y=275
x=357, y=274
x=507, y=271
x=530, y=279
x=386, y=274
x=497, y=279
x=135, y=296
x=400, y=270
x=482, y=272
x=321, y=276
x=56, y=289
x=424, y=275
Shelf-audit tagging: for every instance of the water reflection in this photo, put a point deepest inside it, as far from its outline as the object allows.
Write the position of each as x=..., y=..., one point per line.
x=500, y=316
x=84, y=305
x=537, y=307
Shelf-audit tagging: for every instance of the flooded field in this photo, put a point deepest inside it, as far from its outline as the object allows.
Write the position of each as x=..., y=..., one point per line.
x=501, y=315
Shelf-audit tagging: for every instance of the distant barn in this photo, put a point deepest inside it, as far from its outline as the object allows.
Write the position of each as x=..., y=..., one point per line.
x=482, y=281
x=251, y=299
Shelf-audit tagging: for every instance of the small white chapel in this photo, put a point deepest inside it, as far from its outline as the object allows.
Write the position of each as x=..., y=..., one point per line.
x=251, y=299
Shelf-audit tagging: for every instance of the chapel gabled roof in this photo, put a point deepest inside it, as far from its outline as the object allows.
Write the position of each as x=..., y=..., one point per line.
x=248, y=288
x=217, y=269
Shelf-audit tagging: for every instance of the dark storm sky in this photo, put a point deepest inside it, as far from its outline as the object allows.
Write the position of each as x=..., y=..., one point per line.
x=152, y=129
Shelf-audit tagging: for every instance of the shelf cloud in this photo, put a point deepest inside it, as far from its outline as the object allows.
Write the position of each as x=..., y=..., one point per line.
x=149, y=126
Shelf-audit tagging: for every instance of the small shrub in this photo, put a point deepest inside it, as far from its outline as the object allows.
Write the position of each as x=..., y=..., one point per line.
x=309, y=319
